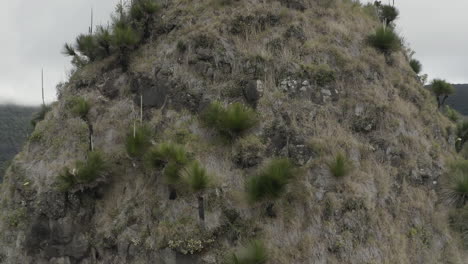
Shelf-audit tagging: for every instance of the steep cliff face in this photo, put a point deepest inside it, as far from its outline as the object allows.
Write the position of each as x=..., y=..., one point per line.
x=318, y=90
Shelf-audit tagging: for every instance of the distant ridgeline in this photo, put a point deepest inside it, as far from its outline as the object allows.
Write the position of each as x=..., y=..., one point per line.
x=15, y=125
x=459, y=101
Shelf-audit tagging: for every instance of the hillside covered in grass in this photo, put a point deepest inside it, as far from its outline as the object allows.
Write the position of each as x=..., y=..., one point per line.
x=214, y=131
x=15, y=126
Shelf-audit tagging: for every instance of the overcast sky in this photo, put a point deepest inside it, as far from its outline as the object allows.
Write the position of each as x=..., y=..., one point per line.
x=35, y=31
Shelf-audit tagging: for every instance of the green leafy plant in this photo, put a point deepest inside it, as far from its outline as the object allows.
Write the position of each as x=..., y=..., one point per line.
x=385, y=40
x=104, y=40
x=271, y=181
x=142, y=12
x=456, y=190
x=83, y=172
x=173, y=158
x=138, y=141
x=416, y=65
x=388, y=14
x=79, y=107
x=340, y=166
x=441, y=90
x=254, y=253
x=198, y=180
x=124, y=38
x=230, y=121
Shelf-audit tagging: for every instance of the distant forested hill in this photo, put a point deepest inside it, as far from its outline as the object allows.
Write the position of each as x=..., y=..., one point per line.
x=459, y=101
x=14, y=128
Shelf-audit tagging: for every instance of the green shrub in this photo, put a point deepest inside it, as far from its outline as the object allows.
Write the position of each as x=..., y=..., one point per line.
x=79, y=107
x=40, y=115
x=124, y=39
x=66, y=180
x=462, y=134
x=388, y=13
x=271, y=181
x=196, y=177
x=83, y=172
x=143, y=12
x=385, y=40
x=92, y=168
x=87, y=46
x=254, y=253
x=172, y=156
x=452, y=114
x=138, y=141
x=416, y=65
x=456, y=189
x=104, y=39
x=443, y=89
x=231, y=121
x=340, y=166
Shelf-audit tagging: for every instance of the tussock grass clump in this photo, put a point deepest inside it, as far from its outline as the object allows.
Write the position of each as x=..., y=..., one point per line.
x=40, y=115
x=385, y=40
x=456, y=190
x=254, y=253
x=196, y=177
x=83, y=172
x=79, y=107
x=230, y=121
x=138, y=140
x=340, y=166
x=271, y=181
x=173, y=157
x=416, y=65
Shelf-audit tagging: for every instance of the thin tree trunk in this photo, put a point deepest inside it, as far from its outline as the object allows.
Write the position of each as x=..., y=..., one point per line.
x=201, y=210
x=438, y=102
x=172, y=193
x=443, y=100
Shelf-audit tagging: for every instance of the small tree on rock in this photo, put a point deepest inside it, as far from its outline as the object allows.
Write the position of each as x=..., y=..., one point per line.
x=441, y=90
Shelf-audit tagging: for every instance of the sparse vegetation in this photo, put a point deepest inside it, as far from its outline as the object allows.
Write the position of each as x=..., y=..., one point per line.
x=452, y=114
x=231, y=121
x=254, y=253
x=416, y=65
x=441, y=90
x=456, y=190
x=459, y=222
x=79, y=107
x=40, y=115
x=462, y=133
x=138, y=140
x=271, y=181
x=385, y=40
x=340, y=166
